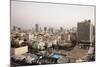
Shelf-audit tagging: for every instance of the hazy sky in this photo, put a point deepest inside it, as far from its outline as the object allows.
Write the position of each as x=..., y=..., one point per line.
x=27, y=14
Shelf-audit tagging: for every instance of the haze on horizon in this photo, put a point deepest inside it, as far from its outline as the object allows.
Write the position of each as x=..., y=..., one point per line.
x=27, y=14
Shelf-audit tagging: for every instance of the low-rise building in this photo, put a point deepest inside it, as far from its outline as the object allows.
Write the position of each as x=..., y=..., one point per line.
x=19, y=50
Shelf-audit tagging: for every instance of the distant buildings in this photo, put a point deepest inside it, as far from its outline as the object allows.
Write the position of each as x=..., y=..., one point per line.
x=51, y=30
x=15, y=28
x=61, y=28
x=43, y=45
x=45, y=29
x=62, y=36
x=36, y=27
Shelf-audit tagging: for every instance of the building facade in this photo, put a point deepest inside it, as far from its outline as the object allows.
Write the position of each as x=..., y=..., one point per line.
x=85, y=31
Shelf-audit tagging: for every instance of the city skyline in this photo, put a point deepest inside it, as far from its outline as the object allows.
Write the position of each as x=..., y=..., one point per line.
x=27, y=14
x=49, y=33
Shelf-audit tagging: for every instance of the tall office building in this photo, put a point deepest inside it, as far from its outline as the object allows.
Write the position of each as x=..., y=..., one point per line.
x=45, y=29
x=14, y=28
x=36, y=28
x=85, y=31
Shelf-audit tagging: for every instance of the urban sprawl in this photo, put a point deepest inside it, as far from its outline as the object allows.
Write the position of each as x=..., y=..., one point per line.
x=53, y=46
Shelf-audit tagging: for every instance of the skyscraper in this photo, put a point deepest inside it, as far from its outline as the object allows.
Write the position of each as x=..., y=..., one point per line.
x=14, y=28
x=85, y=31
x=36, y=28
x=45, y=29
